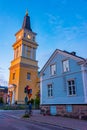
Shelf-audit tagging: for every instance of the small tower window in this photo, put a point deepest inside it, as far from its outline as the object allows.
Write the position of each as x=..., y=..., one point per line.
x=13, y=76
x=28, y=76
x=33, y=38
x=24, y=34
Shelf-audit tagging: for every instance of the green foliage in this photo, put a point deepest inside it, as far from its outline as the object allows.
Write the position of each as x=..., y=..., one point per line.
x=38, y=95
x=26, y=116
x=1, y=100
x=37, y=101
x=12, y=107
x=32, y=101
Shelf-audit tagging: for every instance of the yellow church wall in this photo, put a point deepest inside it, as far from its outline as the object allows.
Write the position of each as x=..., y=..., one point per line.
x=29, y=61
x=16, y=61
x=21, y=78
x=19, y=34
x=17, y=43
x=14, y=70
x=24, y=60
x=24, y=81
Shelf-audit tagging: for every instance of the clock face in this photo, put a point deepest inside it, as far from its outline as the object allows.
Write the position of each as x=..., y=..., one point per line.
x=28, y=36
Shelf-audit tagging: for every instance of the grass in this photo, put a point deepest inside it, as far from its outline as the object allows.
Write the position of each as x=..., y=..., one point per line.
x=12, y=107
x=26, y=116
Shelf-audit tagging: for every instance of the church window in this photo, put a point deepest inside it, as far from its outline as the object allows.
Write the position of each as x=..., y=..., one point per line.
x=28, y=76
x=24, y=34
x=33, y=38
x=28, y=52
x=13, y=76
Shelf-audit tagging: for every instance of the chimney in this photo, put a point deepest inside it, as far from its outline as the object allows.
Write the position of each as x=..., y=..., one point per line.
x=73, y=53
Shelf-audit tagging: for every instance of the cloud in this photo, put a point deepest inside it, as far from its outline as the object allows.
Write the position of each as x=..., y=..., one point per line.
x=54, y=20
x=3, y=82
x=43, y=57
x=60, y=30
x=1, y=70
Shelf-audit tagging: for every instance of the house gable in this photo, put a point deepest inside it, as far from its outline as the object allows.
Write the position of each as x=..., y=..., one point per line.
x=62, y=53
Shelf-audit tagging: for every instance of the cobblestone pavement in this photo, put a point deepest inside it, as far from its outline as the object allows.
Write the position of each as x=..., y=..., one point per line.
x=73, y=124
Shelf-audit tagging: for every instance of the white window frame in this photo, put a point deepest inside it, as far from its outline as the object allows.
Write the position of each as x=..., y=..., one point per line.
x=65, y=65
x=50, y=90
x=53, y=69
x=71, y=87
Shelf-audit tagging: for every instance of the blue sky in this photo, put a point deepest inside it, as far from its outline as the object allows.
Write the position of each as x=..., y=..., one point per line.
x=59, y=24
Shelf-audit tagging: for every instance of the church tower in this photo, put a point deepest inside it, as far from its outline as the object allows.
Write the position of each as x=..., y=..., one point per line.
x=24, y=66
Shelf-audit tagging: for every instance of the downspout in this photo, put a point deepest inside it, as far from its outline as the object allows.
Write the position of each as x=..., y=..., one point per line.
x=40, y=89
x=84, y=77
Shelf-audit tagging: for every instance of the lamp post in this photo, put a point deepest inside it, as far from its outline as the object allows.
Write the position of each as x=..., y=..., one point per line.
x=28, y=92
x=34, y=102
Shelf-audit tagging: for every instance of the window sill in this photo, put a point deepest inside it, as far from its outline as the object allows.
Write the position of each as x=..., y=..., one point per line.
x=50, y=97
x=72, y=95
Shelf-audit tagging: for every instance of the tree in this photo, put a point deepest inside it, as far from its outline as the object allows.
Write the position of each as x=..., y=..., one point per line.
x=37, y=99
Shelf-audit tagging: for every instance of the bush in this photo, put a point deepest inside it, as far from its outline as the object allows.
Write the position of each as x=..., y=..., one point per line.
x=1, y=100
x=13, y=107
x=26, y=116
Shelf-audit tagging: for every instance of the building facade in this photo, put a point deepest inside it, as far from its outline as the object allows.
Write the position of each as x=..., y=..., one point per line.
x=3, y=94
x=24, y=66
x=63, y=83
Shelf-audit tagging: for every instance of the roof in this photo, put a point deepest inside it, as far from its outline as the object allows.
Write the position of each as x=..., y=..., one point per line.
x=4, y=89
x=66, y=53
x=26, y=23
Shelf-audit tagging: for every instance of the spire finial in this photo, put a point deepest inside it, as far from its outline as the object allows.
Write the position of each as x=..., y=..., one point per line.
x=27, y=12
x=26, y=22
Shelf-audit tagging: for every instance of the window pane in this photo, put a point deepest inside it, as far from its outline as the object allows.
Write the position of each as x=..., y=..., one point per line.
x=72, y=81
x=53, y=69
x=71, y=87
x=28, y=76
x=69, y=82
x=65, y=65
x=50, y=90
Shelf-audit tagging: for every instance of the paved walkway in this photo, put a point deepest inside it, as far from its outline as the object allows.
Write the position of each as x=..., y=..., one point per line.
x=73, y=124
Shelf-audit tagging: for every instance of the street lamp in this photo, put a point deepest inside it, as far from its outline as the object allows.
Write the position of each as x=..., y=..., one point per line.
x=34, y=102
